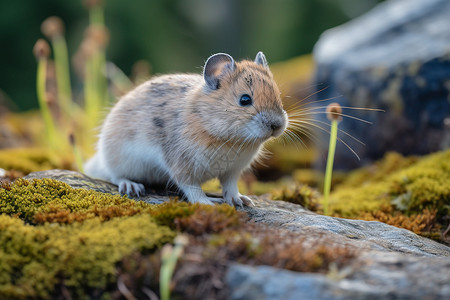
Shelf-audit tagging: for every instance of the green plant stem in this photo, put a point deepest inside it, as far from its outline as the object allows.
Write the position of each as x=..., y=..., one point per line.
x=102, y=84
x=62, y=73
x=169, y=262
x=96, y=16
x=329, y=168
x=92, y=95
x=78, y=158
x=43, y=104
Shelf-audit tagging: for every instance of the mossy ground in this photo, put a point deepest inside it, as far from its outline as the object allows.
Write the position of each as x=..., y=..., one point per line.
x=53, y=235
x=59, y=240
x=407, y=192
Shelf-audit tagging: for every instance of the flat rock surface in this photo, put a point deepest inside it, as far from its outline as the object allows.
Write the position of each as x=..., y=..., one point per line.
x=392, y=263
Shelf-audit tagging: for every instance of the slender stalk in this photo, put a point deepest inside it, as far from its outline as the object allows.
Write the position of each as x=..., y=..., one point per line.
x=97, y=19
x=53, y=29
x=334, y=114
x=169, y=256
x=91, y=97
x=99, y=63
x=43, y=103
x=96, y=15
x=329, y=168
x=62, y=73
x=76, y=152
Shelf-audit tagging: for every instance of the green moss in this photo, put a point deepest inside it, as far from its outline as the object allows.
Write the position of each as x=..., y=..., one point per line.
x=196, y=218
x=48, y=200
x=391, y=163
x=351, y=202
x=81, y=256
x=413, y=185
x=414, y=193
x=28, y=160
x=79, y=237
x=298, y=194
x=424, y=185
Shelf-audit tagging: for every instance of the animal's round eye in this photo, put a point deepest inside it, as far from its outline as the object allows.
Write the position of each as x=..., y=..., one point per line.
x=245, y=100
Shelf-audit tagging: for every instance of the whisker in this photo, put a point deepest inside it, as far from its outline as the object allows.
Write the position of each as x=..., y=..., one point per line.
x=325, y=123
x=338, y=114
x=339, y=139
x=309, y=109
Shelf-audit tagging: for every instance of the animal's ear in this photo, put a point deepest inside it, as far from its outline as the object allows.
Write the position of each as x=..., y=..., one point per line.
x=261, y=60
x=216, y=67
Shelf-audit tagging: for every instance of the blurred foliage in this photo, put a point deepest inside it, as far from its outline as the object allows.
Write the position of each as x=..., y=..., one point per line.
x=173, y=35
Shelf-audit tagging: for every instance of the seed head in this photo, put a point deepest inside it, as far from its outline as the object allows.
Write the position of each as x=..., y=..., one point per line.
x=97, y=34
x=334, y=112
x=41, y=49
x=92, y=3
x=181, y=240
x=52, y=27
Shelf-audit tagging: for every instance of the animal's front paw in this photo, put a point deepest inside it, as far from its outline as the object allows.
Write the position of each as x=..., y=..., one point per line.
x=131, y=188
x=237, y=200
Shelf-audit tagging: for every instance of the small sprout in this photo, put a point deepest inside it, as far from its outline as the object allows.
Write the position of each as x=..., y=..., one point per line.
x=41, y=49
x=169, y=256
x=334, y=112
x=52, y=27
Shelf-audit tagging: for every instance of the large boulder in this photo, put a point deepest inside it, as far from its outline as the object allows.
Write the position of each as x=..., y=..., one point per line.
x=397, y=58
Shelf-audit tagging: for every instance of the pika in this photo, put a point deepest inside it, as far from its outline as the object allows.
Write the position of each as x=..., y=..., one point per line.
x=185, y=129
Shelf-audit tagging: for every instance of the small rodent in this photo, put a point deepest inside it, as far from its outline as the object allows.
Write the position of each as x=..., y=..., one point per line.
x=185, y=129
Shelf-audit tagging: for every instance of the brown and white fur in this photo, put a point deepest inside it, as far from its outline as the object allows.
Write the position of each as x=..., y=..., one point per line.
x=185, y=129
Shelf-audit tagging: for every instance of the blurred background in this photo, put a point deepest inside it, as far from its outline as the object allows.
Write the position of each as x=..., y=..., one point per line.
x=171, y=35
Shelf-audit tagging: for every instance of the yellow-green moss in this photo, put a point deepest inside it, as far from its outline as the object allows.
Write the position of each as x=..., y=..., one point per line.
x=29, y=160
x=81, y=256
x=80, y=236
x=411, y=185
x=391, y=163
x=351, y=202
x=298, y=194
x=196, y=218
x=54, y=236
x=424, y=185
x=414, y=194
x=48, y=200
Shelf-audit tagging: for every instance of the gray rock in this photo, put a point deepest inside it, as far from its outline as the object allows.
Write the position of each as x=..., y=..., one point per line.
x=365, y=234
x=378, y=277
x=397, y=58
x=78, y=180
x=393, y=263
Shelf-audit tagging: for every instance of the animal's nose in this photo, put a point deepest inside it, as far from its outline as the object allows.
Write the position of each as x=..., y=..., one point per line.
x=275, y=126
